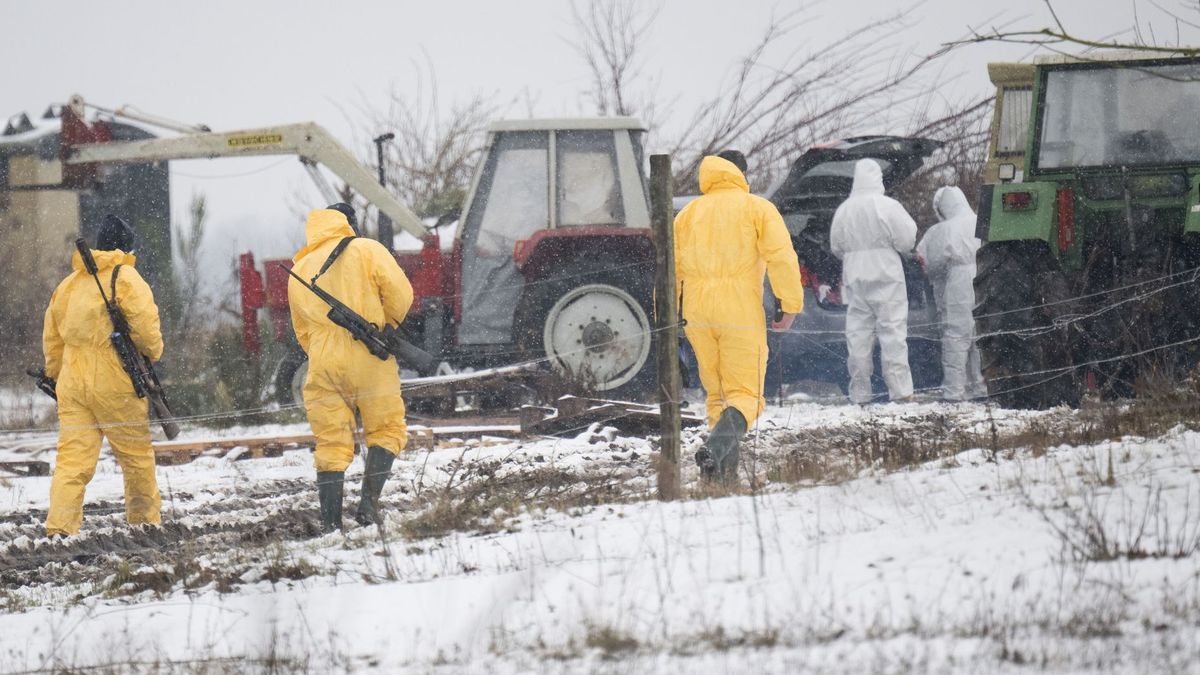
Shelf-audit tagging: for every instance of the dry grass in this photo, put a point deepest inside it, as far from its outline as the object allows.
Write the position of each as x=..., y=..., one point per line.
x=611, y=641
x=836, y=454
x=483, y=496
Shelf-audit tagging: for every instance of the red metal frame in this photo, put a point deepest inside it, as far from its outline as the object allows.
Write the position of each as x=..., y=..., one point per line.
x=76, y=131
x=1066, y=219
x=277, y=296
x=253, y=298
x=524, y=249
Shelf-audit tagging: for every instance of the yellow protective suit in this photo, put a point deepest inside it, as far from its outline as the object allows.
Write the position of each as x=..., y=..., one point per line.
x=95, y=395
x=724, y=241
x=342, y=374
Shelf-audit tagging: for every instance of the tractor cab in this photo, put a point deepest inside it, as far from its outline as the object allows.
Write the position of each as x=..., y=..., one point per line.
x=552, y=251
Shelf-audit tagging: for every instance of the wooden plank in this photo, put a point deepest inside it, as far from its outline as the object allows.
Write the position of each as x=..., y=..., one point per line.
x=27, y=468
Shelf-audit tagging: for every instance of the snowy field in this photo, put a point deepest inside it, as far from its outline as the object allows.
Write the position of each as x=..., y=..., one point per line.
x=922, y=537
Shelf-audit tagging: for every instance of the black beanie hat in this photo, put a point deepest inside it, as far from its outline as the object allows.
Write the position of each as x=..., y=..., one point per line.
x=346, y=210
x=115, y=234
x=735, y=157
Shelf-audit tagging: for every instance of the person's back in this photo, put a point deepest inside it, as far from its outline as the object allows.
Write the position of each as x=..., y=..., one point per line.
x=951, y=241
x=869, y=233
x=717, y=243
x=363, y=278
x=947, y=252
x=724, y=242
x=343, y=376
x=869, y=229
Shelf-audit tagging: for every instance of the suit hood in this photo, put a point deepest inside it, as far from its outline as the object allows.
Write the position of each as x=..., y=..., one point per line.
x=721, y=174
x=105, y=260
x=868, y=178
x=323, y=225
x=950, y=202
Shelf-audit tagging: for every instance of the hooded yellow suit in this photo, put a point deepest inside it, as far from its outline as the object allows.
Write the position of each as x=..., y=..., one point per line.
x=342, y=374
x=95, y=395
x=724, y=241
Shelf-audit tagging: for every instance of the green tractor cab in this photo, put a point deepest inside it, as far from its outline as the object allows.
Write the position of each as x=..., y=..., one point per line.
x=1092, y=233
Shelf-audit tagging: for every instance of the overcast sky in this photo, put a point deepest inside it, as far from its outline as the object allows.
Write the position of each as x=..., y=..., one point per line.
x=240, y=64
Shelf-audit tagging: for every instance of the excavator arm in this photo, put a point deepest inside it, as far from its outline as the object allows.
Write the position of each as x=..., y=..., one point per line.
x=310, y=142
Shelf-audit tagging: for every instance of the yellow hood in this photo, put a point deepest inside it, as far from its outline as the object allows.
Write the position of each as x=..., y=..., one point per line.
x=323, y=225
x=720, y=174
x=105, y=260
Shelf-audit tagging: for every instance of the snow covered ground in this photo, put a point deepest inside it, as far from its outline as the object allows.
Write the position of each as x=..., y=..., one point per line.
x=888, y=539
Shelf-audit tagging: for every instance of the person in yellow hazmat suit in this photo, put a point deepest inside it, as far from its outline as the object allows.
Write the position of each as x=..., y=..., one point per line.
x=96, y=399
x=724, y=242
x=343, y=376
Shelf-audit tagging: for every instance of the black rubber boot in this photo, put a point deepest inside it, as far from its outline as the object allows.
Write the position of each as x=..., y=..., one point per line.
x=704, y=460
x=378, y=468
x=721, y=449
x=329, y=491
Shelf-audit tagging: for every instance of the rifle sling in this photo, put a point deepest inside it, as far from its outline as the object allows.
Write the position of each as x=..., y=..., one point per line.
x=333, y=255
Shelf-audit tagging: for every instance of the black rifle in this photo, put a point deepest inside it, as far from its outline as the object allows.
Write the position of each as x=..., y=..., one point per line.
x=140, y=370
x=44, y=382
x=381, y=342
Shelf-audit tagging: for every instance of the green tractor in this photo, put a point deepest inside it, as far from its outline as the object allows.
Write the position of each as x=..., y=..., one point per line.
x=1087, y=278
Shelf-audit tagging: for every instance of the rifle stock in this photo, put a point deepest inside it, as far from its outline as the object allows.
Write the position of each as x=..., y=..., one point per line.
x=45, y=383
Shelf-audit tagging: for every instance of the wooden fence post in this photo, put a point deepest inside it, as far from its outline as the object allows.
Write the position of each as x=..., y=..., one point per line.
x=666, y=324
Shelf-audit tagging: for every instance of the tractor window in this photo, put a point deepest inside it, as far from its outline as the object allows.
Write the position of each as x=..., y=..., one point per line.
x=1014, y=121
x=1120, y=116
x=517, y=191
x=588, y=190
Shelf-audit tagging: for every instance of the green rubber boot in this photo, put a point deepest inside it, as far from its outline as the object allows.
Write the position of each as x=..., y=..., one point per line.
x=330, y=485
x=378, y=468
x=720, y=451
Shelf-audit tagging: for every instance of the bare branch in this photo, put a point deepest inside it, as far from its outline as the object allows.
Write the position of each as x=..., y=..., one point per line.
x=1057, y=36
x=429, y=163
x=612, y=35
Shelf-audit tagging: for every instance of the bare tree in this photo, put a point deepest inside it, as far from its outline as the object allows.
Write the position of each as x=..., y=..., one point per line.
x=1056, y=36
x=779, y=99
x=189, y=241
x=963, y=129
x=614, y=37
x=429, y=163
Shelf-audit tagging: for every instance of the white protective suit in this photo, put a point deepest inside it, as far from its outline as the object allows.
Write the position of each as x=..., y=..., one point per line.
x=870, y=230
x=948, y=251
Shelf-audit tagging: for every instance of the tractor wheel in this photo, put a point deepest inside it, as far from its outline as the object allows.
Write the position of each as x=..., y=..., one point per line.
x=1013, y=286
x=289, y=377
x=593, y=328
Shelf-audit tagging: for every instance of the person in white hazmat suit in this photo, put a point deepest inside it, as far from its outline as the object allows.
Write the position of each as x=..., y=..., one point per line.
x=870, y=231
x=948, y=253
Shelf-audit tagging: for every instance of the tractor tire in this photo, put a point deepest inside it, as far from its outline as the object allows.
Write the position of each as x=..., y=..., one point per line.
x=289, y=377
x=1019, y=286
x=594, y=328
x=1185, y=303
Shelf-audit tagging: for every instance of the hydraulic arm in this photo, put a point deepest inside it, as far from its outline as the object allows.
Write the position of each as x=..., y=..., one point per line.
x=310, y=142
